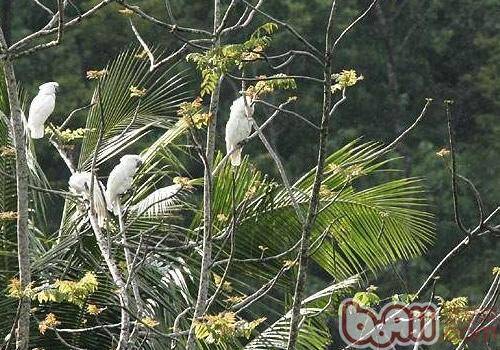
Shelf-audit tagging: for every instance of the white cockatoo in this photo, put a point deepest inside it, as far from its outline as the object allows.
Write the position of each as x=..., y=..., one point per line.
x=238, y=127
x=80, y=183
x=41, y=108
x=120, y=180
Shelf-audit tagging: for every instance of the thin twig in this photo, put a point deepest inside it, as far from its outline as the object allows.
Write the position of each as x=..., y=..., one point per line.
x=454, y=185
x=43, y=7
x=289, y=28
x=281, y=109
x=350, y=26
x=153, y=64
x=304, y=77
x=171, y=27
x=242, y=22
x=391, y=145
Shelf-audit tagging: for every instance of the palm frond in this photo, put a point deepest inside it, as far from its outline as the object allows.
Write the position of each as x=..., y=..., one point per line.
x=124, y=115
x=356, y=228
x=314, y=332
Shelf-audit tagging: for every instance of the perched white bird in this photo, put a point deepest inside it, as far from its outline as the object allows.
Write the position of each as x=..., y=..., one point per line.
x=238, y=127
x=80, y=183
x=120, y=180
x=41, y=108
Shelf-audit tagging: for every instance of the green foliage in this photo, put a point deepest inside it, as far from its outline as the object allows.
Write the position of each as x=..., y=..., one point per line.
x=120, y=109
x=368, y=298
x=345, y=79
x=278, y=81
x=67, y=135
x=455, y=316
x=403, y=298
x=73, y=292
x=220, y=60
x=194, y=114
x=224, y=327
x=314, y=333
x=4, y=99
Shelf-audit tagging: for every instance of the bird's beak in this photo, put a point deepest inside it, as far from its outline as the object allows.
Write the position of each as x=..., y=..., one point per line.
x=139, y=163
x=58, y=88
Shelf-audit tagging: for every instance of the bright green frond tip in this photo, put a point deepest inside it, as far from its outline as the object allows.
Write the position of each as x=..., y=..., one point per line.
x=220, y=60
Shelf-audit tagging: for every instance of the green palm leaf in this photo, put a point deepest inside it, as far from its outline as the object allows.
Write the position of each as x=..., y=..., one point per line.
x=357, y=228
x=127, y=118
x=314, y=332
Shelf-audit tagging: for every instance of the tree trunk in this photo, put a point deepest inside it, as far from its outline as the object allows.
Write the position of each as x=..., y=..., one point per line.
x=22, y=173
x=314, y=201
x=201, y=300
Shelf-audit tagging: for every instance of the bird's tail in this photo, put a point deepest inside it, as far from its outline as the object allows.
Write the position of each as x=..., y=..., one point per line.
x=36, y=131
x=236, y=157
x=111, y=204
x=100, y=206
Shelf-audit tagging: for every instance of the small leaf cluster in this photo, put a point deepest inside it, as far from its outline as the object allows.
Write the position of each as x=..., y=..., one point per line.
x=265, y=87
x=223, y=327
x=455, y=315
x=367, y=298
x=136, y=91
x=149, y=322
x=50, y=321
x=8, y=216
x=94, y=310
x=403, y=298
x=226, y=286
x=7, y=152
x=194, y=114
x=14, y=289
x=67, y=135
x=73, y=292
x=183, y=181
x=351, y=172
x=443, y=152
x=235, y=299
x=96, y=74
x=70, y=291
x=345, y=79
x=221, y=59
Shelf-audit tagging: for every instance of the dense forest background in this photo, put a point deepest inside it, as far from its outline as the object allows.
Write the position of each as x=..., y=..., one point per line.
x=407, y=50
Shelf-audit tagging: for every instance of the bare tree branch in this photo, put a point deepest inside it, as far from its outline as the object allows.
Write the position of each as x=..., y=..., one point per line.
x=243, y=22
x=291, y=29
x=22, y=181
x=206, y=262
x=318, y=177
x=350, y=26
x=14, y=49
x=153, y=63
x=43, y=7
x=171, y=27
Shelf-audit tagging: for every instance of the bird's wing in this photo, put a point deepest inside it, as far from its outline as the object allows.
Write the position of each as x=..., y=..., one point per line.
x=119, y=181
x=40, y=109
x=237, y=130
